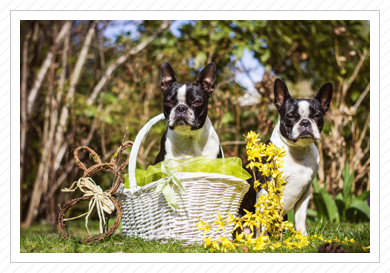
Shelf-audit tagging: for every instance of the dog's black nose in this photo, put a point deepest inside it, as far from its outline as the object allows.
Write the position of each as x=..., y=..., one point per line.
x=181, y=108
x=305, y=123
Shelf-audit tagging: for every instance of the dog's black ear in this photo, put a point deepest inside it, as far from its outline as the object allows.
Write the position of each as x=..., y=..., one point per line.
x=281, y=93
x=324, y=96
x=206, y=78
x=168, y=76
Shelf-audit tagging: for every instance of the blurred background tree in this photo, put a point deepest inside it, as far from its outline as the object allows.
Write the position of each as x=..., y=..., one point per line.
x=84, y=82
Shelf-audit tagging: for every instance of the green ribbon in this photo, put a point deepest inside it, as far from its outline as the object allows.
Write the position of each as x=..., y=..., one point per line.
x=166, y=188
x=228, y=166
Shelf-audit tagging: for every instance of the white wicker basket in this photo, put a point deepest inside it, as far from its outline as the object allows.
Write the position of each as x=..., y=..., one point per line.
x=147, y=214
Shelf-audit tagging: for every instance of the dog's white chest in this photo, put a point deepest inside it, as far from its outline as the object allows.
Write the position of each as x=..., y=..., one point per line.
x=181, y=145
x=300, y=173
x=300, y=167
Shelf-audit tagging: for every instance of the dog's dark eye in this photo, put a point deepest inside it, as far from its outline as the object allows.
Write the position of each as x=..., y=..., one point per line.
x=290, y=117
x=167, y=102
x=197, y=102
x=317, y=116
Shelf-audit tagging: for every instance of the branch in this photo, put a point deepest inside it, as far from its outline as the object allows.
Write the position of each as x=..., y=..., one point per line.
x=23, y=114
x=123, y=59
x=356, y=71
x=363, y=133
x=362, y=96
x=42, y=72
x=57, y=102
x=74, y=79
x=62, y=178
x=362, y=171
x=238, y=142
x=119, y=158
x=291, y=50
x=94, y=124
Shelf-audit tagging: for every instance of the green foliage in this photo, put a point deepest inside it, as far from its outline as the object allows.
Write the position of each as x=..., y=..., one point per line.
x=345, y=206
x=296, y=51
x=44, y=239
x=352, y=208
x=325, y=205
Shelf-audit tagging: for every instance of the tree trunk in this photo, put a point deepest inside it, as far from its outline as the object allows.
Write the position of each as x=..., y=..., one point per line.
x=23, y=116
x=42, y=72
x=41, y=184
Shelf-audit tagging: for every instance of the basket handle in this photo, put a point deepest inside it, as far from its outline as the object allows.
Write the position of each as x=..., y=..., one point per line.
x=137, y=143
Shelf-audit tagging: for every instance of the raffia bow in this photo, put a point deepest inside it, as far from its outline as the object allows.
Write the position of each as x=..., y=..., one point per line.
x=100, y=199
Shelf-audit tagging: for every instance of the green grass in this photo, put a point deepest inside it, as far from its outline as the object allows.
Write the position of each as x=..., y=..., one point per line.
x=44, y=239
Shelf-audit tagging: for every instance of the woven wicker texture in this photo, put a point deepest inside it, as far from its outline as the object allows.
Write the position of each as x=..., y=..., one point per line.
x=88, y=172
x=147, y=214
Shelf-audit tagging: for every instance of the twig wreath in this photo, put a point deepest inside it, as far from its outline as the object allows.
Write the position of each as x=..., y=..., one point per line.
x=105, y=203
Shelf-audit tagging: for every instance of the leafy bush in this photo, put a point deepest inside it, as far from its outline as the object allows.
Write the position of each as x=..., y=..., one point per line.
x=345, y=206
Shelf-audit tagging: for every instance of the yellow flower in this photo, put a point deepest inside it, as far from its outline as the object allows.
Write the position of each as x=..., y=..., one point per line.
x=251, y=165
x=260, y=243
x=269, y=206
x=220, y=223
x=215, y=245
x=352, y=241
x=226, y=244
x=206, y=228
x=249, y=238
x=207, y=242
x=252, y=137
x=231, y=219
x=200, y=224
x=239, y=236
x=238, y=224
x=203, y=226
x=277, y=245
x=256, y=184
x=287, y=225
x=366, y=248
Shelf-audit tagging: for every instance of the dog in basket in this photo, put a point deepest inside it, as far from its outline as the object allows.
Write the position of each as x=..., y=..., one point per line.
x=189, y=131
x=299, y=126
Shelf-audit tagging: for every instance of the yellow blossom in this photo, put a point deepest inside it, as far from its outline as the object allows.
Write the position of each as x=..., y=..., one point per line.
x=366, y=248
x=231, y=219
x=277, y=245
x=200, y=224
x=239, y=237
x=252, y=137
x=249, y=239
x=225, y=244
x=207, y=242
x=238, y=224
x=268, y=208
x=220, y=223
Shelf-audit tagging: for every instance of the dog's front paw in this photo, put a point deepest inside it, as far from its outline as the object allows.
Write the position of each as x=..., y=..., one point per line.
x=247, y=230
x=302, y=231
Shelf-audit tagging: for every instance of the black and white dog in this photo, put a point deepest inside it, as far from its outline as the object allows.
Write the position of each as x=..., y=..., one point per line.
x=189, y=130
x=300, y=124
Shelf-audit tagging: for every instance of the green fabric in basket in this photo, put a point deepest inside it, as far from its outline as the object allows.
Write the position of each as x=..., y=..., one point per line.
x=228, y=166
